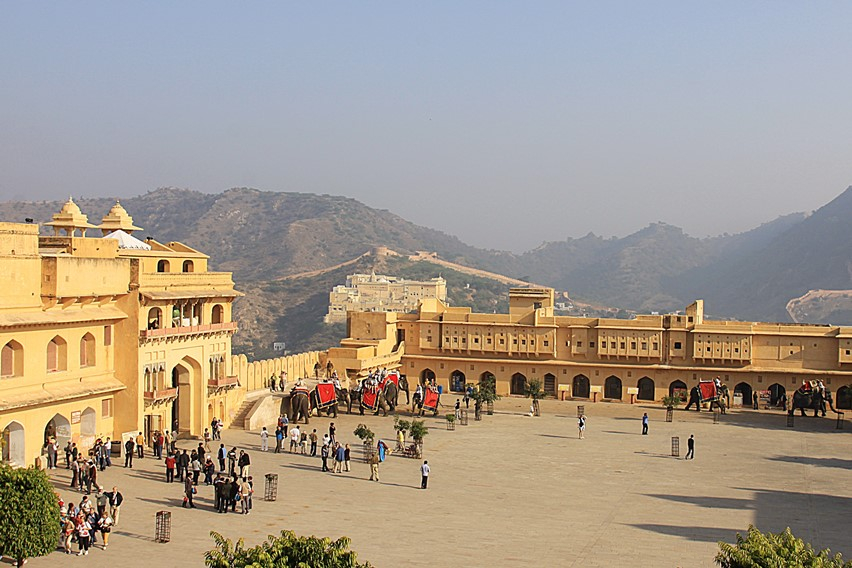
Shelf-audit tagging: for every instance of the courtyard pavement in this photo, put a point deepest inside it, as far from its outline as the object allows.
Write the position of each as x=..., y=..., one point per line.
x=513, y=490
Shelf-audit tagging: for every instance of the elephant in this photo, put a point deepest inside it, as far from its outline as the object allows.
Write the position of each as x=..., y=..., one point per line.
x=329, y=411
x=403, y=387
x=300, y=406
x=694, y=398
x=813, y=398
x=381, y=404
x=391, y=394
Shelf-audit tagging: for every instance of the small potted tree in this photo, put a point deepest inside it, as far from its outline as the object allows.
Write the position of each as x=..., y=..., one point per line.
x=671, y=402
x=486, y=393
x=418, y=431
x=401, y=427
x=451, y=421
x=366, y=436
x=533, y=390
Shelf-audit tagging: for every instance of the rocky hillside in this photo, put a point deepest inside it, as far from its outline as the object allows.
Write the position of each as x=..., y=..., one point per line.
x=264, y=236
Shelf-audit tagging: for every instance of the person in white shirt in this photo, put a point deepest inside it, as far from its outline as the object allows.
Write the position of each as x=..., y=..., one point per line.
x=294, y=438
x=264, y=439
x=424, y=474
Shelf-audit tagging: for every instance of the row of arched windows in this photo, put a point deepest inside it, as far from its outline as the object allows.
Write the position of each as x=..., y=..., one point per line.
x=165, y=266
x=185, y=314
x=12, y=356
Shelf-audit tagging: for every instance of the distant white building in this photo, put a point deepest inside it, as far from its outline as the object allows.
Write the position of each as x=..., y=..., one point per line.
x=378, y=293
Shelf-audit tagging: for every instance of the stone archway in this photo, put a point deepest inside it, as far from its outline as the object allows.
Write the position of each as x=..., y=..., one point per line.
x=426, y=376
x=776, y=391
x=88, y=428
x=13, y=442
x=58, y=428
x=518, y=385
x=580, y=387
x=646, y=389
x=678, y=389
x=612, y=388
x=187, y=407
x=744, y=390
x=844, y=398
x=457, y=381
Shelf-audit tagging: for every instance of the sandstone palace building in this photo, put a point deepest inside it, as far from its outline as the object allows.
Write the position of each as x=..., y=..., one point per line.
x=377, y=293
x=105, y=335
x=641, y=359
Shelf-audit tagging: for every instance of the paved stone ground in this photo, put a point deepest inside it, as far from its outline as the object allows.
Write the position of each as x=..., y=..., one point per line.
x=519, y=491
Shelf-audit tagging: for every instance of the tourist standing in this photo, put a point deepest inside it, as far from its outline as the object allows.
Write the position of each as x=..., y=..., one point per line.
x=140, y=445
x=183, y=462
x=424, y=474
x=754, y=404
x=581, y=426
x=105, y=526
x=84, y=529
x=170, y=468
x=339, y=457
x=115, y=500
x=374, y=467
x=221, y=455
x=188, y=490
x=645, y=424
x=207, y=437
x=294, y=438
x=245, y=496
x=690, y=448
x=232, y=460
x=129, y=446
x=346, y=456
x=245, y=463
x=331, y=432
x=264, y=439
x=279, y=439
x=314, y=439
x=324, y=455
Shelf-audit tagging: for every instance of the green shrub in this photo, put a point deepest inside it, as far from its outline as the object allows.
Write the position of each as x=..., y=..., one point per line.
x=29, y=525
x=759, y=550
x=286, y=550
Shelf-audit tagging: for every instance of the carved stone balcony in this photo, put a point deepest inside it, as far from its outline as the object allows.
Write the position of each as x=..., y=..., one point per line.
x=222, y=384
x=158, y=397
x=169, y=332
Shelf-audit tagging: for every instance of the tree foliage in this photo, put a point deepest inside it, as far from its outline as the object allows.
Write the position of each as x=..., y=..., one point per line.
x=418, y=430
x=285, y=551
x=759, y=550
x=533, y=389
x=486, y=391
x=364, y=433
x=401, y=425
x=29, y=525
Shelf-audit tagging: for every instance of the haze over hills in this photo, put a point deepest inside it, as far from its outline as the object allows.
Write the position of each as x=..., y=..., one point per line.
x=263, y=236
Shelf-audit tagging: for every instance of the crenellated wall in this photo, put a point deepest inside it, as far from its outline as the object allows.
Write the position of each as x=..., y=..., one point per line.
x=255, y=375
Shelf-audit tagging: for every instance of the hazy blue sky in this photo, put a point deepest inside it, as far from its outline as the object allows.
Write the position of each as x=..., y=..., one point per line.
x=505, y=123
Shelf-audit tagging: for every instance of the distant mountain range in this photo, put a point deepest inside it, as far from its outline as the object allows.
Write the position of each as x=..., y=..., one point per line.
x=264, y=236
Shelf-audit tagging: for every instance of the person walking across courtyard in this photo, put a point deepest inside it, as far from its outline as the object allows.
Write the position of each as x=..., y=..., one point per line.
x=690, y=448
x=188, y=490
x=264, y=440
x=645, y=424
x=424, y=474
x=581, y=426
x=374, y=467
x=115, y=500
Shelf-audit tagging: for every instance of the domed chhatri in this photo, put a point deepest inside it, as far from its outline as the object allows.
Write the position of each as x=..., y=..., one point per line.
x=117, y=219
x=70, y=219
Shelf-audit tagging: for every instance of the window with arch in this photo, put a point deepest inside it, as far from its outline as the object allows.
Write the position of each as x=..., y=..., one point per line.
x=87, y=350
x=163, y=265
x=155, y=318
x=57, y=355
x=12, y=360
x=188, y=266
x=218, y=314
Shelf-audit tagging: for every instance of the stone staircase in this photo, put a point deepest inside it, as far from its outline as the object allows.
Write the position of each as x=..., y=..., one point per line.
x=240, y=417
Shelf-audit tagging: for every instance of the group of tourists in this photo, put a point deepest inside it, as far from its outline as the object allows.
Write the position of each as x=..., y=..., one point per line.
x=82, y=522
x=278, y=383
